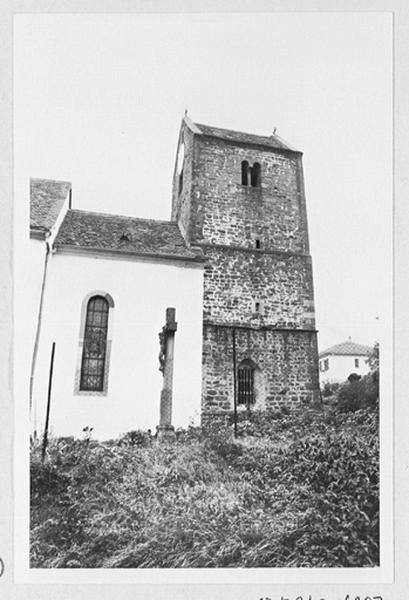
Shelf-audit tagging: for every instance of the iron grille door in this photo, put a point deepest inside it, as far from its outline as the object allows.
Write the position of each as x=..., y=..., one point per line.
x=245, y=385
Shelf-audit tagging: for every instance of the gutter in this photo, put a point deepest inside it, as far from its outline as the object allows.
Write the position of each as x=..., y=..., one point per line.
x=68, y=248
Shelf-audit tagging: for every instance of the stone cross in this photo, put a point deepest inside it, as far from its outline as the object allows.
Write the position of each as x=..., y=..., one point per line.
x=166, y=431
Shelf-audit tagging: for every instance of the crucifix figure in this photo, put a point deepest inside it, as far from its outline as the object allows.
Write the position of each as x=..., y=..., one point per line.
x=166, y=431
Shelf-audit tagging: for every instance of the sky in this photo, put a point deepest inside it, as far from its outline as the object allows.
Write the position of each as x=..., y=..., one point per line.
x=98, y=101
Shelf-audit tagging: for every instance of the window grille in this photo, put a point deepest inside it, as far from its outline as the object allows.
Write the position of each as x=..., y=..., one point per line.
x=245, y=388
x=95, y=342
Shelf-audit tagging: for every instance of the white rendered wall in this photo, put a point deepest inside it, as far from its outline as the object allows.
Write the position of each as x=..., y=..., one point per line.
x=340, y=367
x=28, y=269
x=141, y=292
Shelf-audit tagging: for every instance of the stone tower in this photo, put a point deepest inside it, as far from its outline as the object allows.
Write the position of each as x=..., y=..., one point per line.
x=240, y=198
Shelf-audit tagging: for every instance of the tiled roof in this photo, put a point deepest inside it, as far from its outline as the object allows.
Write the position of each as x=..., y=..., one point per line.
x=346, y=349
x=126, y=235
x=273, y=141
x=46, y=199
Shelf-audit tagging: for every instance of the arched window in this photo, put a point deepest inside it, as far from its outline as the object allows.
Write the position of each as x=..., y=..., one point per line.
x=244, y=172
x=255, y=175
x=245, y=387
x=250, y=175
x=95, y=345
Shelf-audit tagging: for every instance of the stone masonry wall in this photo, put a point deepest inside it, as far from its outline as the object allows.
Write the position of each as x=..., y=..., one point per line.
x=181, y=197
x=286, y=373
x=226, y=212
x=235, y=279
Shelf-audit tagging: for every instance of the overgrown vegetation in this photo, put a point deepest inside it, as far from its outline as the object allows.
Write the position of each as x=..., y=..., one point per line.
x=291, y=491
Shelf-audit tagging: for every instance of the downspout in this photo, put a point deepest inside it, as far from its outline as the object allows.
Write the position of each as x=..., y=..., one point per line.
x=37, y=336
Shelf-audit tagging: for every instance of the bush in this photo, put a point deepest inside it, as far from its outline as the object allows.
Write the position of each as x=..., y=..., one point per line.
x=359, y=393
x=136, y=438
x=330, y=389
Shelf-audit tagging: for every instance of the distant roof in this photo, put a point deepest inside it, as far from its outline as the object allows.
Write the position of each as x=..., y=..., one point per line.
x=272, y=141
x=46, y=199
x=347, y=348
x=123, y=234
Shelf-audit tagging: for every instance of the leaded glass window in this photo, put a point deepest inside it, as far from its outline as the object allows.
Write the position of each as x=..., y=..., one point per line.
x=95, y=345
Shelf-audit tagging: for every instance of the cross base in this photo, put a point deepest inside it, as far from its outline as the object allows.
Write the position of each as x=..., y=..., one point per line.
x=166, y=433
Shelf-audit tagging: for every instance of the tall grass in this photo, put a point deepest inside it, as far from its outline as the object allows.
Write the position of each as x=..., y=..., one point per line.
x=290, y=492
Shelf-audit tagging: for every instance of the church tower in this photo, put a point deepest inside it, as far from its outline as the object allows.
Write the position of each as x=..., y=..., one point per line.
x=240, y=198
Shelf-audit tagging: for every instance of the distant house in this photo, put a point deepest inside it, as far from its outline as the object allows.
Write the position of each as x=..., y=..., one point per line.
x=338, y=362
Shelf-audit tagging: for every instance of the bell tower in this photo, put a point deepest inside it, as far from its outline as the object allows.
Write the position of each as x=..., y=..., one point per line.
x=240, y=198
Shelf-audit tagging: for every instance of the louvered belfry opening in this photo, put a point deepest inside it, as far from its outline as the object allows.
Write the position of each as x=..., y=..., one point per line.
x=95, y=342
x=245, y=388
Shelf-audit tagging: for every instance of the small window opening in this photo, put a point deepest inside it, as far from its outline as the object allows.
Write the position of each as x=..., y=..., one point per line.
x=357, y=363
x=258, y=244
x=255, y=175
x=244, y=172
x=257, y=307
x=326, y=365
x=180, y=182
x=126, y=237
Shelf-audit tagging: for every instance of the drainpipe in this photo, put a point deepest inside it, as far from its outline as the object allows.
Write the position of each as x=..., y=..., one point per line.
x=33, y=409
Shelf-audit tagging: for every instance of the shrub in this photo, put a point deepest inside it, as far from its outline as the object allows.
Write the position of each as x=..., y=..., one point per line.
x=330, y=389
x=359, y=393
x=136, y=438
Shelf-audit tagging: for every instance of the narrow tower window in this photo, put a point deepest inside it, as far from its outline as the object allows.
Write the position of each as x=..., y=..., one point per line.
x=95, y=343
x=180, y=165
x=255, y=175
x=258, y=244
x=258, y=306
x=244, y=172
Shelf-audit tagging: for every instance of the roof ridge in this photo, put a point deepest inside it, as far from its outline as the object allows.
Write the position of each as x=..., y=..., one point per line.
x=235, y=130
x=104, y=214
x=355, y=346
x=243, y=137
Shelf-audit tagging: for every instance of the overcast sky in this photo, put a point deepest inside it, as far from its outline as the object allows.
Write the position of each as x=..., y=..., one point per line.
x=99, y=100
